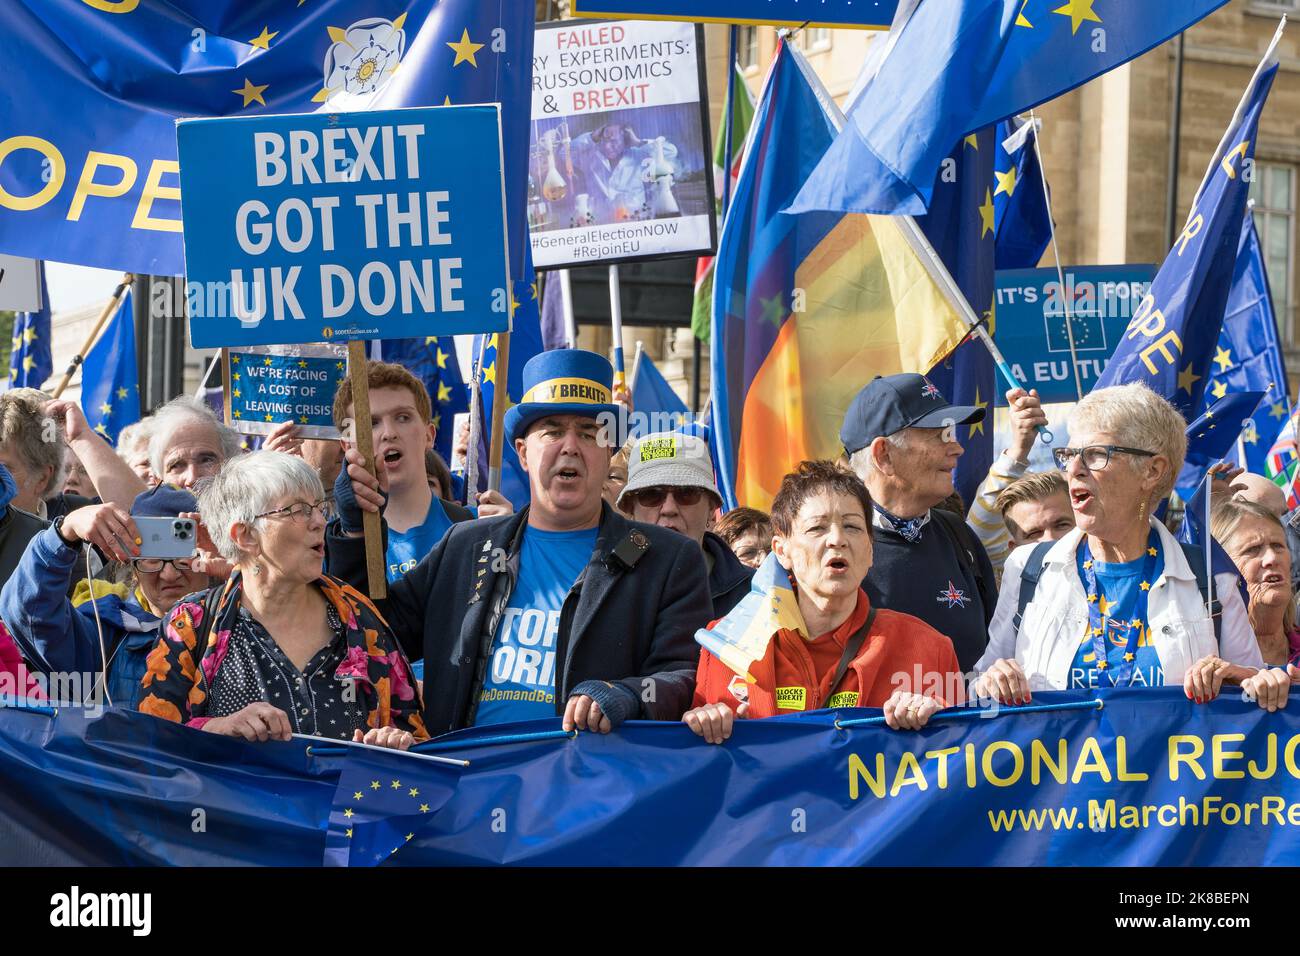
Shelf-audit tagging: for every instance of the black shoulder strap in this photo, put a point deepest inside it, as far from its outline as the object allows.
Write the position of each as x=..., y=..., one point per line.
x=1195, y=555
x=1029, y=579
x=851, y=649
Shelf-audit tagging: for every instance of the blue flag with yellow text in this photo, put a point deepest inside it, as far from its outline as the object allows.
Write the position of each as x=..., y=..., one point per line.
x=110, y=382
x=1172, y=337
x=89, y=173
x=960, y=65
x=30, y=361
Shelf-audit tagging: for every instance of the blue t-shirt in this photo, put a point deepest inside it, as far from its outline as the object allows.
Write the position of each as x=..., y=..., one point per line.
x=520, y=683
x=1119, y=589
x=406, y=548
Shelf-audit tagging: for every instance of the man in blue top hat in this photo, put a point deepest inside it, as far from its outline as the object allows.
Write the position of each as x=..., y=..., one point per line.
x=901, y=439
x=565, y=609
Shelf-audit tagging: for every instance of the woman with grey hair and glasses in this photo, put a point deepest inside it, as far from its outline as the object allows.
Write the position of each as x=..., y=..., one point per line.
x=1117, y=602
x=281, y=648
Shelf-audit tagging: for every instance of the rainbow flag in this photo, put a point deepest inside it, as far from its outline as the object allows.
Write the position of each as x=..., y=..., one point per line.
x=743, y=636
x=808, y=308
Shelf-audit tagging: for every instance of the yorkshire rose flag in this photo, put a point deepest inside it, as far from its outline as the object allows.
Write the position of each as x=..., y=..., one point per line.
x=743, y=636
x=807, y=308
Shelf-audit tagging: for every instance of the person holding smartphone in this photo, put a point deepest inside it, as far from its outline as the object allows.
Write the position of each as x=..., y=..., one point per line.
x=59, y=636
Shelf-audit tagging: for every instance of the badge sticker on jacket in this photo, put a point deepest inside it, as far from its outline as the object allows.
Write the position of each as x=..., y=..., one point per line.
x=657, y=449
x=791, y=698
x=845, y=698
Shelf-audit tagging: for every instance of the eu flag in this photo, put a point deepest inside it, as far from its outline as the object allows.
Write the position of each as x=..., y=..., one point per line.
x=653, y=396
x=1213, y=435
x=1022, y=223
x=960, y=227
x=433, y=361
x=30, y=362
x=1249, y=355
x=959, y=65
x=1171, y=339
x=93, y=91
x=110, y=384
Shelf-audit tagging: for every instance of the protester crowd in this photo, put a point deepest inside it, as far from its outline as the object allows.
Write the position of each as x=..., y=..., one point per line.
x=586, y=604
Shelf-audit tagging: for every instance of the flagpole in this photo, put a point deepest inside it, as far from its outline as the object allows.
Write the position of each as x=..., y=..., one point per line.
x=203, y=382
x=636, y=365
x=1056, y=254
x=616, y=324
x=80, y=357
x=500, y=398
x=475, y=423
x=566, y=304
x=729, y=117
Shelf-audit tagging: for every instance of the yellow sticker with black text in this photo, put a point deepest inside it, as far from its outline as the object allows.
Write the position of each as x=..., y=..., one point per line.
x=845, y=698
x=791, y=698
x=657, y=449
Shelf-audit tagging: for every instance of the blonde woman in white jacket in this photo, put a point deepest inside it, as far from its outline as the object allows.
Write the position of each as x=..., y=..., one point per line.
x=1117, y=603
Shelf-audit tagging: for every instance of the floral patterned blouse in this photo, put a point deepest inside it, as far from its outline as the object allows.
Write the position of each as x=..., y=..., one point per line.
x=361, y=679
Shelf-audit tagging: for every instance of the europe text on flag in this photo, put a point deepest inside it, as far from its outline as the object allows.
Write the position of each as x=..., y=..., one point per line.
x=807, y=308
x=382, y=802
x=1171, y=339
x=1214, y=434
x=433, y=361
x=1249, y=355
x=30, y=362
x=959, y=227
x=110, y=383
x=743, y=635
x=1022, y=223
x=654, y=400
x=90, y=171
x=742, y=117
x=960, y=65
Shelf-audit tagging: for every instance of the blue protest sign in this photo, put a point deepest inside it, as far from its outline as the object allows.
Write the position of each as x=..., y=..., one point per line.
x=876, y=15
x=330, y=227
x=1030, y=324
x=285, y=383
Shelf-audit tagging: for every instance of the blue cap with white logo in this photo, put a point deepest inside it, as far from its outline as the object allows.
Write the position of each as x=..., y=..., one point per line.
x=890, y=403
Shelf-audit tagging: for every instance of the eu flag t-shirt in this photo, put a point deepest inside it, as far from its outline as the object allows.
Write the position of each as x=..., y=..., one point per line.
x=520, y=683
x=1120, y=590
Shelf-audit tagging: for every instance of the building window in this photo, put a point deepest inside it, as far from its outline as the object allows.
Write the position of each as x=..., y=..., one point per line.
x=814, y=39
x=747, y=47
x=1273, y=190
x=1273, y=8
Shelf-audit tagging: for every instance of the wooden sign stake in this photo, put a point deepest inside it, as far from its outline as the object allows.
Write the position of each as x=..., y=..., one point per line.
x=373, y=531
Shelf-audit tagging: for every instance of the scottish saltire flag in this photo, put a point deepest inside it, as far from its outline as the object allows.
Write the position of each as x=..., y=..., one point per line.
x=743, y=636
x=525, y=342
x=807, y=308
x=960, y=227
x=1249, y=355
x=433, y=361
x=1214, y=434
x=378, y=808
x=960, y=65
x=1171, y=340
x=1022, y=224
x=110, y=383
x=742, y=117
x=30, y=361
x=94, y=89
x=653, y=396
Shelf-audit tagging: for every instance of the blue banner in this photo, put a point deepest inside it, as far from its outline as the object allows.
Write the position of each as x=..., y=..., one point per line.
x=267, y=389
x=1031, y=330
x=1130, y=777
x=831, y=13
x=88, y=165
x=345, y=226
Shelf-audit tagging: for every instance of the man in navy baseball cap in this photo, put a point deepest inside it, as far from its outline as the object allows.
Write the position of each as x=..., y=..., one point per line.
x=901, y=439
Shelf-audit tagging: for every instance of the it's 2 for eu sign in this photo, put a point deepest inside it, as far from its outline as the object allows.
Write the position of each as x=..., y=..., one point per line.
x=325, y=227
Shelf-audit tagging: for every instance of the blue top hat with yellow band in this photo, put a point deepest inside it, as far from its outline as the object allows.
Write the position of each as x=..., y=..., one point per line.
x=563, y=382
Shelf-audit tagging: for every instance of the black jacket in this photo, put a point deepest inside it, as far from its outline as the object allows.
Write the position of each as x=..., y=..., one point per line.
x=631, y=618
x=729, y=579
x=17, y=527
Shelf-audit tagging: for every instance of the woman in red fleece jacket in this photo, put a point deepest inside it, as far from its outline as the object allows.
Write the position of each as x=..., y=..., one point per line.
x=822, y=522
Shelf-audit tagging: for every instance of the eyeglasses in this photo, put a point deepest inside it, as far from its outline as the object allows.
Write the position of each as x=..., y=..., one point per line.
x=1095, y=457
x=654, y=497
x=301, y=512
x=154, y=565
